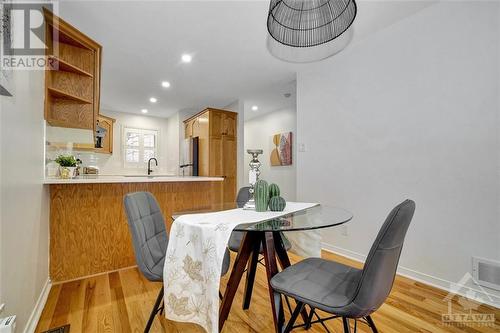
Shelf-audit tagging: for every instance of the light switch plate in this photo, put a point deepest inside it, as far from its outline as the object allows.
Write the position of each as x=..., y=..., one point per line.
x=302, y=147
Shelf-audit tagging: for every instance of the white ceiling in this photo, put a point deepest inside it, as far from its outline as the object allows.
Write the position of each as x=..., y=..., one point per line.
x=144, y=40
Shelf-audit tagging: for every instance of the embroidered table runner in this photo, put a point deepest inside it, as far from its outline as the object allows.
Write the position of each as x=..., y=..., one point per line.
x=193, y=263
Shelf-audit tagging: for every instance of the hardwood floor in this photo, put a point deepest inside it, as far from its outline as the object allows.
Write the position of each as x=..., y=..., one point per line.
x=121, y=302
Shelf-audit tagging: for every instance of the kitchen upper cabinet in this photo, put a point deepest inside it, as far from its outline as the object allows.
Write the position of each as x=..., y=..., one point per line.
x=217, y=134
x=216, y=123
x=104, y=135
x=229, y=125
x=72, y=79
x=222, y=123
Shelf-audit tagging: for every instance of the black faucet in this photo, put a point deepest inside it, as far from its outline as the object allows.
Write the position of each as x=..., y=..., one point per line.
x=149, y=165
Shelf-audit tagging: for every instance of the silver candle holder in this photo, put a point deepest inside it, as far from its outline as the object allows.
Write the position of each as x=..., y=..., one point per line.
x=253, y=177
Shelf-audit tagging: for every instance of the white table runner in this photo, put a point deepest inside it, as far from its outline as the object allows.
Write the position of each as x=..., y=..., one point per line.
x=193, y=263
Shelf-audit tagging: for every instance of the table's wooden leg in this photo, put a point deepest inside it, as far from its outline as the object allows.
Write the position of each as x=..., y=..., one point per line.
x=271, y=270
x=285, y=262
x=251, y=270
x=237, y=272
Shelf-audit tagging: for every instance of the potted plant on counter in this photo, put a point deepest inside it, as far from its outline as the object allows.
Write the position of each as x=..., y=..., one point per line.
x=67, y=166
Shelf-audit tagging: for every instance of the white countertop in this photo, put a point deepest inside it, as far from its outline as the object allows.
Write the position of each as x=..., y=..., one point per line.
x=93, y=179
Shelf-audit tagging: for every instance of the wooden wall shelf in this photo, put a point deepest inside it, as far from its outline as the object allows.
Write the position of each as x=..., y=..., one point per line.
x=63, y=65
x=72, y=88
x=61, y=94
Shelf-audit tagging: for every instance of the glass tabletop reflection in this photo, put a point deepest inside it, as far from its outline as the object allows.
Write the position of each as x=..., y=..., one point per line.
x=317, y=217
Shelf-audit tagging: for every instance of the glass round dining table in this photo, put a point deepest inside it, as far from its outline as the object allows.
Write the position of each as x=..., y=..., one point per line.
x=265, y=238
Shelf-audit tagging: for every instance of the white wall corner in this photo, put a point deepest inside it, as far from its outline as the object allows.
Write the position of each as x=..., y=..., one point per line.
x=427, y=279
x=37, y=310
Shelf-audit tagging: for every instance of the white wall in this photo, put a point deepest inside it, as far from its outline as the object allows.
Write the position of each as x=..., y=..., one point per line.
x=411, y=112
x=24, y=200
x=259, y=132
x=113, y=164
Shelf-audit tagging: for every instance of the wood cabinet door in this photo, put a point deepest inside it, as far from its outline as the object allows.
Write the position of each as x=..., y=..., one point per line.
x=216, y=123
x=230, y=124
x=216, y=157
x=107, y=141
x=229, y=157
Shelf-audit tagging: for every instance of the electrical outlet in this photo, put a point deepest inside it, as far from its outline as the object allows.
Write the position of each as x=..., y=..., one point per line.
x=302, y=147
x=344, y=230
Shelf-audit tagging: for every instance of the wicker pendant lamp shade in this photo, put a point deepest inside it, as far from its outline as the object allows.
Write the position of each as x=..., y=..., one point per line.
x=309, y=23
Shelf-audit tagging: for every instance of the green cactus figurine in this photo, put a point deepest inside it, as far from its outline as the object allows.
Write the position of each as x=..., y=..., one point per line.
x=261, y=195
x=277, y=204
x=274, y=191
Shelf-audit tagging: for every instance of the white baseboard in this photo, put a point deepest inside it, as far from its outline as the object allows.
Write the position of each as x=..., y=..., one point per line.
x=37, y=311
x=421, y=277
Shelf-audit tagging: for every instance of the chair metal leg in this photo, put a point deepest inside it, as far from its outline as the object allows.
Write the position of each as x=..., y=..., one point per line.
x=345, y=321
x=278, y=307
x=155, y=310
x=309, y=319
x=293, y=318
x=370, y=322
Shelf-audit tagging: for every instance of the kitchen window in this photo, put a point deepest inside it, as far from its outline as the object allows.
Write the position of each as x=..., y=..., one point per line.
x=139, y=146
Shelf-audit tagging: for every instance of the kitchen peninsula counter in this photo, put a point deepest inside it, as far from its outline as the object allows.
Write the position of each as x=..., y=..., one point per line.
x=88, y=226
x=104, y=179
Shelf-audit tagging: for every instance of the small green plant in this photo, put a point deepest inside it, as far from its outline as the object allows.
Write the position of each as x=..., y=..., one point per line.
x=66, y=160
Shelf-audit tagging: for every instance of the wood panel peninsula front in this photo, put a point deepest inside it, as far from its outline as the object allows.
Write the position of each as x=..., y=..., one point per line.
x=88, y=227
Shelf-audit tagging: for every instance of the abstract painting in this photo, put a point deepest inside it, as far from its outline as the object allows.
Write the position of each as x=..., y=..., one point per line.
x=282, y=151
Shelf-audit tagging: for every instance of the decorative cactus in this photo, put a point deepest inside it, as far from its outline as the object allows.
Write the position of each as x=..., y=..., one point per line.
x=261, y=195
x=277, y=204
x=274, y=191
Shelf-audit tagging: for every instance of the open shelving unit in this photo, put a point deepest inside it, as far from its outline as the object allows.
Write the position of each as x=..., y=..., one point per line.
x=59, y=64
x=72, y=80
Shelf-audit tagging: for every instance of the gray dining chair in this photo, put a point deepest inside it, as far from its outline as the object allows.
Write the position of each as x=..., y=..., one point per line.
x=344, y=291
x=150, y=240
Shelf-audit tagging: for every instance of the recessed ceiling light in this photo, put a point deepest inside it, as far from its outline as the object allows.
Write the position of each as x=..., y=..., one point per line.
x=144, y=110
x=165, y=84
x=255, y=108
x=186, y=58
x=153, y=100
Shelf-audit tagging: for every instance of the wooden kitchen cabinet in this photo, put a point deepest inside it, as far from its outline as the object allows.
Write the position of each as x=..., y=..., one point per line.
x=217, y=133
x=72, y=79
x=216, y=120
x=229, y=157
x=107, y=141
x=72, y=83
x=229, y=125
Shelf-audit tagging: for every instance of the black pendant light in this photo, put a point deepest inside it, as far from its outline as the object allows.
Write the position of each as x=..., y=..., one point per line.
x=310, y=25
